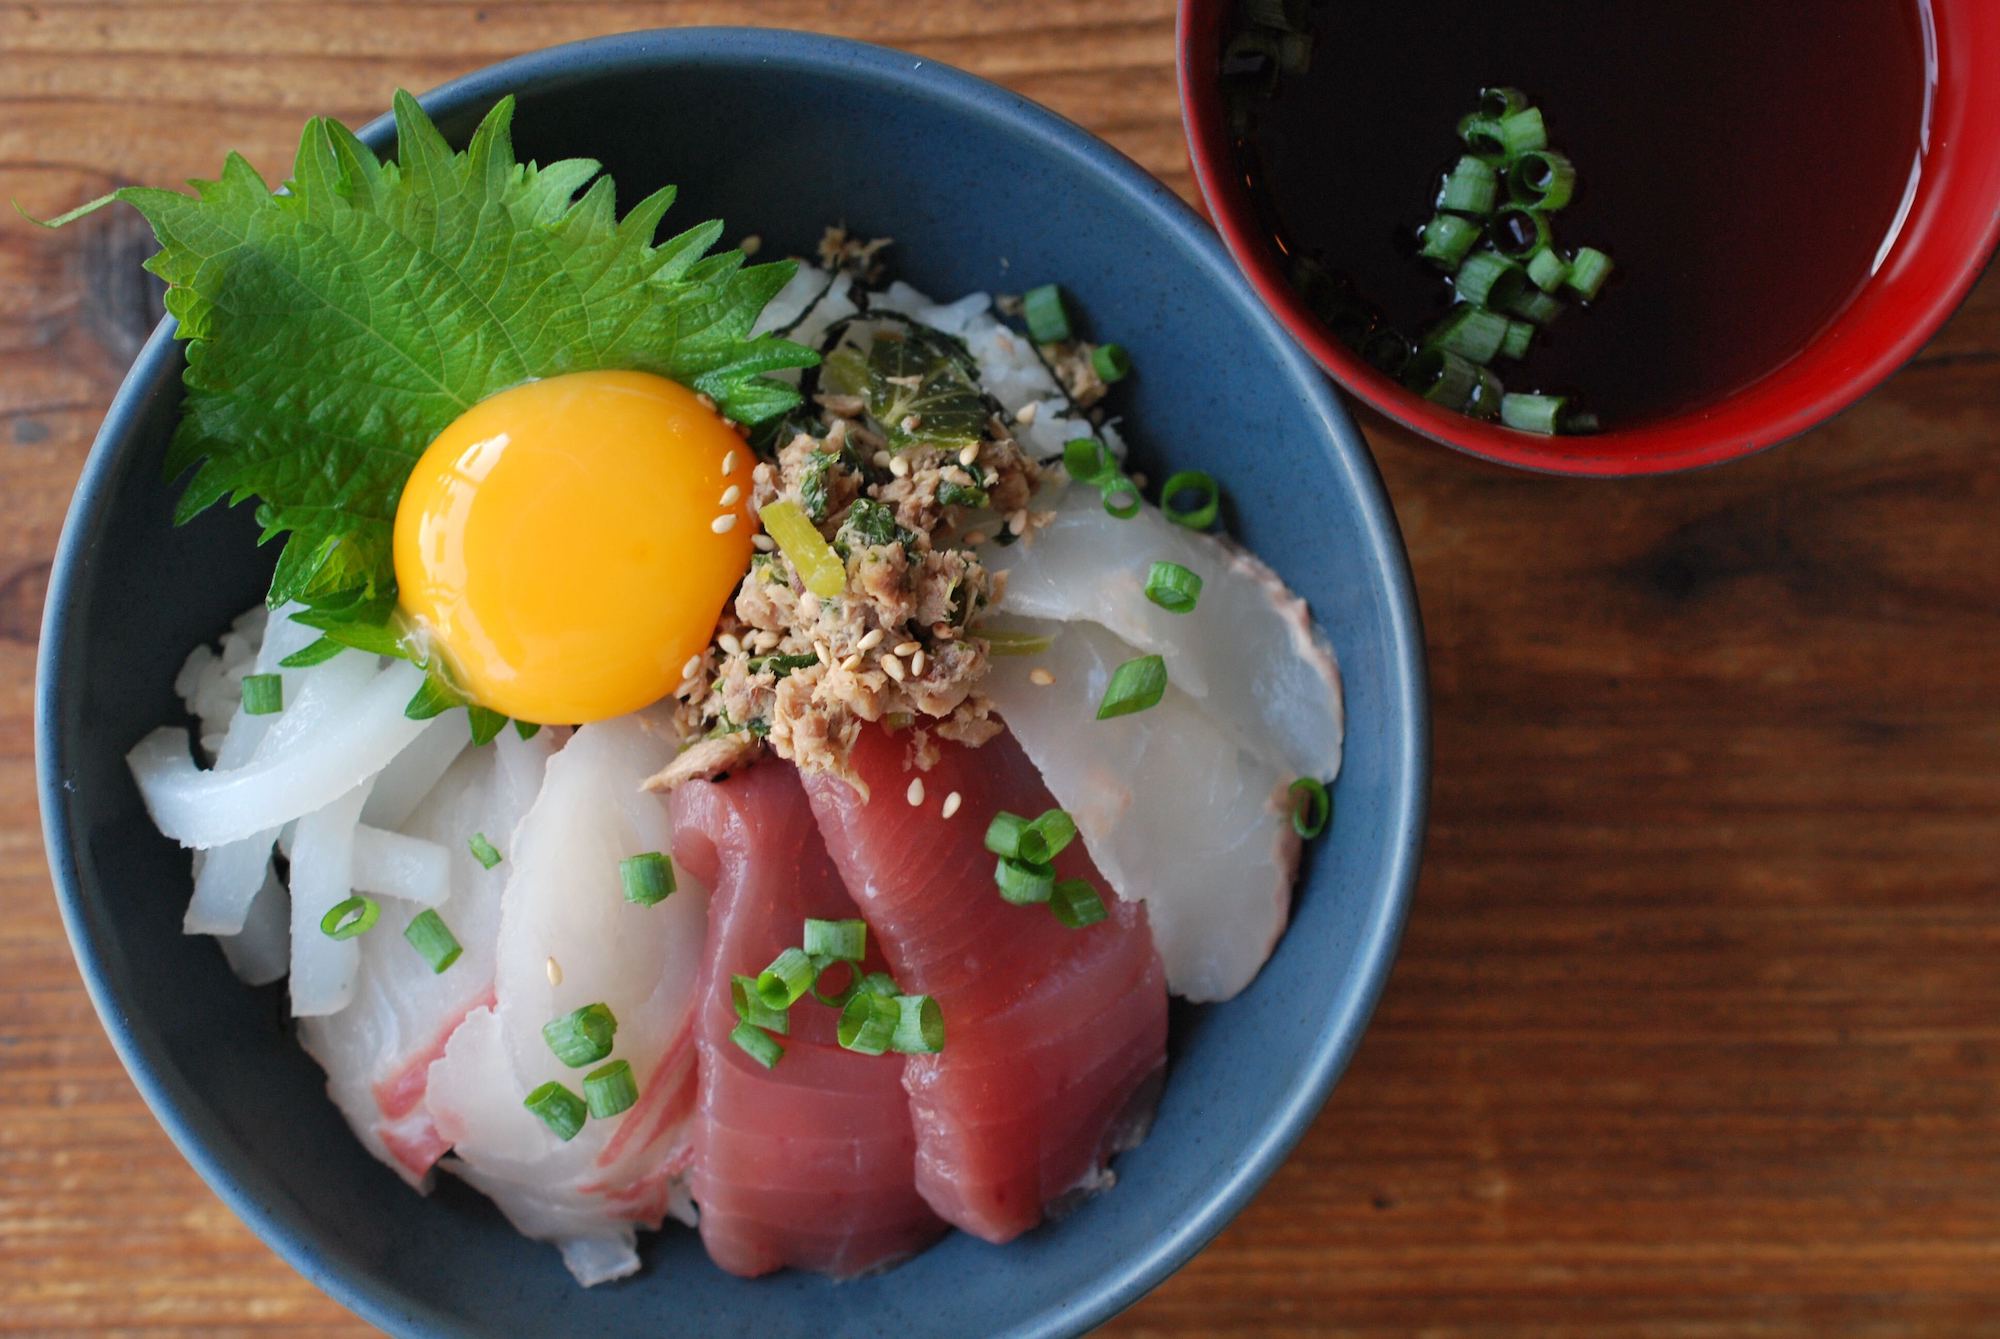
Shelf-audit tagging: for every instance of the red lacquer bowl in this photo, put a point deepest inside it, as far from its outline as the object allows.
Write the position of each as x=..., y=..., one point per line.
x=1946, y=240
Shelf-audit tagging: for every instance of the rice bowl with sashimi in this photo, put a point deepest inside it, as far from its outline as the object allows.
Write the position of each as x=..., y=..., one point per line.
x=895, y=876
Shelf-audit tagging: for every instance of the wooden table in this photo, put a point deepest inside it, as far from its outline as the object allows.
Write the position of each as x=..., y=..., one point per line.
x=1696, y=1029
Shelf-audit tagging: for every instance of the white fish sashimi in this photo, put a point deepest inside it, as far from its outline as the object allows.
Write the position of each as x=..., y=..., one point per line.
x=323, y=762
x=1172, y=809
x=564, y=902
x=1248, y=653
x=377, y=1052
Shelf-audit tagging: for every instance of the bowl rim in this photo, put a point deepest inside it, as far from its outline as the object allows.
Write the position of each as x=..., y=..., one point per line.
x=283, y=1224
x=1671, y=445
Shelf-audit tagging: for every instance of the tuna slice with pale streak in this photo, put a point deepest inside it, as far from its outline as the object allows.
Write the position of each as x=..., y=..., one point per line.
x=377, y=1052
x=564, y=901
x=1055, y=1039
x=811, y=1164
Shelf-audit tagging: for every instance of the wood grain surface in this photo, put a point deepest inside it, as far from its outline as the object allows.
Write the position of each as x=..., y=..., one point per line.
x=1696, y=1030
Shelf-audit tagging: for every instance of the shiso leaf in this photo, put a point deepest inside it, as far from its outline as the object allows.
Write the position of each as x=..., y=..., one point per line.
x=333, y=330
x=920, y=377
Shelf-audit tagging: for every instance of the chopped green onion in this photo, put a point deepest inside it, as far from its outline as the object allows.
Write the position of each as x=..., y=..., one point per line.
x=526, y=729
x=1482, y=135
x=790, y=975
x=647, y=878
x=1470, y=331
x=1519, y=232
x=1048, y=319
x=751, y=1008
x=263, y=694
x=1471, y=187
x=1485, y=401
x=1086, y=460
x=1016, y=838
x=1172, y=587
x=1542, y=179
x=1122, y=500
x=879, y=983
x=819, y=567
x=1442, y=378
x=758, y=1045
x=560, y=1109
x=1447, y=238
x=1137, y=684
x=1587, y=272
x=1531, y=304
x=344, y=920
x=1489, y=279
x=1387, y=350
x=1009, y=642
x=1311, y=807
x=1533, y=413
x=1076, y=904
x=1284, y=15
x=1581, y=421
x=919, y=1027
x=1208, y=499
x=484, y=851
x=845, y=940
x=431, y=937
x=1495, y=103
x=582, y=1036
x=1520, y=334
x=868, y=1023
x=1548, y=270
x=1024, y=882
x=610, y=1091
x=1056, y=829
x=1111, y=362
x=1523, y=132
x=836, y=999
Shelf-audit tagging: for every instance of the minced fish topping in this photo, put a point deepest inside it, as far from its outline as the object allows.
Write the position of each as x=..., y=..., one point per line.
x=905, y=467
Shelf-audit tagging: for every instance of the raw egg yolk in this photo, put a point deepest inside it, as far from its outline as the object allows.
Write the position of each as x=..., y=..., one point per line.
x=567, y=545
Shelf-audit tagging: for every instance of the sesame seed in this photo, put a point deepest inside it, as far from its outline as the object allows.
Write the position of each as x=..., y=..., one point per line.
x=763, y=543
x=869, y=640
x=881, y=460
x=1026, y=413
x=852, y=663
x=905, y=648
x=1018, y=522
x=730, y=646
x=706, y=402
x=724, y=523
x=751, y=245
x=893, y=668
x=692, y=668
x=825, y=656
x=1040, y=677
x=969, y=454
x=731, y=496
x=554, y=969
x=728, y=462
x=899, y=467
x=912, y=422
x=915, y=794
x=1138, y=479
x=951, y=803
x=917, y=664
x=975, y=538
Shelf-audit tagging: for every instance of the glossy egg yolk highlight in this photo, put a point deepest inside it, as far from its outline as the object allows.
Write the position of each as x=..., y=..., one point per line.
x=568, y=544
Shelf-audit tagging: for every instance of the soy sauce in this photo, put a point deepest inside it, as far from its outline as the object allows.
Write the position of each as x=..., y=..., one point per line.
x=1744, y=162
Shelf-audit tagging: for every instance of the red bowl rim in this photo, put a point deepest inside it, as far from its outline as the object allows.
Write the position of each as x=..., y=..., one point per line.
x=1949, y=235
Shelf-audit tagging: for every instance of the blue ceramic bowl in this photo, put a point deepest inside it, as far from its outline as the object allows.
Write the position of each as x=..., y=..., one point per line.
x=779, y=133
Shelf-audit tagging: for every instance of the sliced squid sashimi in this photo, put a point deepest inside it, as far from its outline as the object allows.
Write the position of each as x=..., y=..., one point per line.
x=1173, y=810
x=811, y=1164
x=324, y=762
x=564, y=903
x=377, y=1052
x=1248, y=652
x=1055, y=1039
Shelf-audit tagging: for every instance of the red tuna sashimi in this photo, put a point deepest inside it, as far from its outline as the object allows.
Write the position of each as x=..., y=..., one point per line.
x=1055, y=1039
x=810, y=1164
